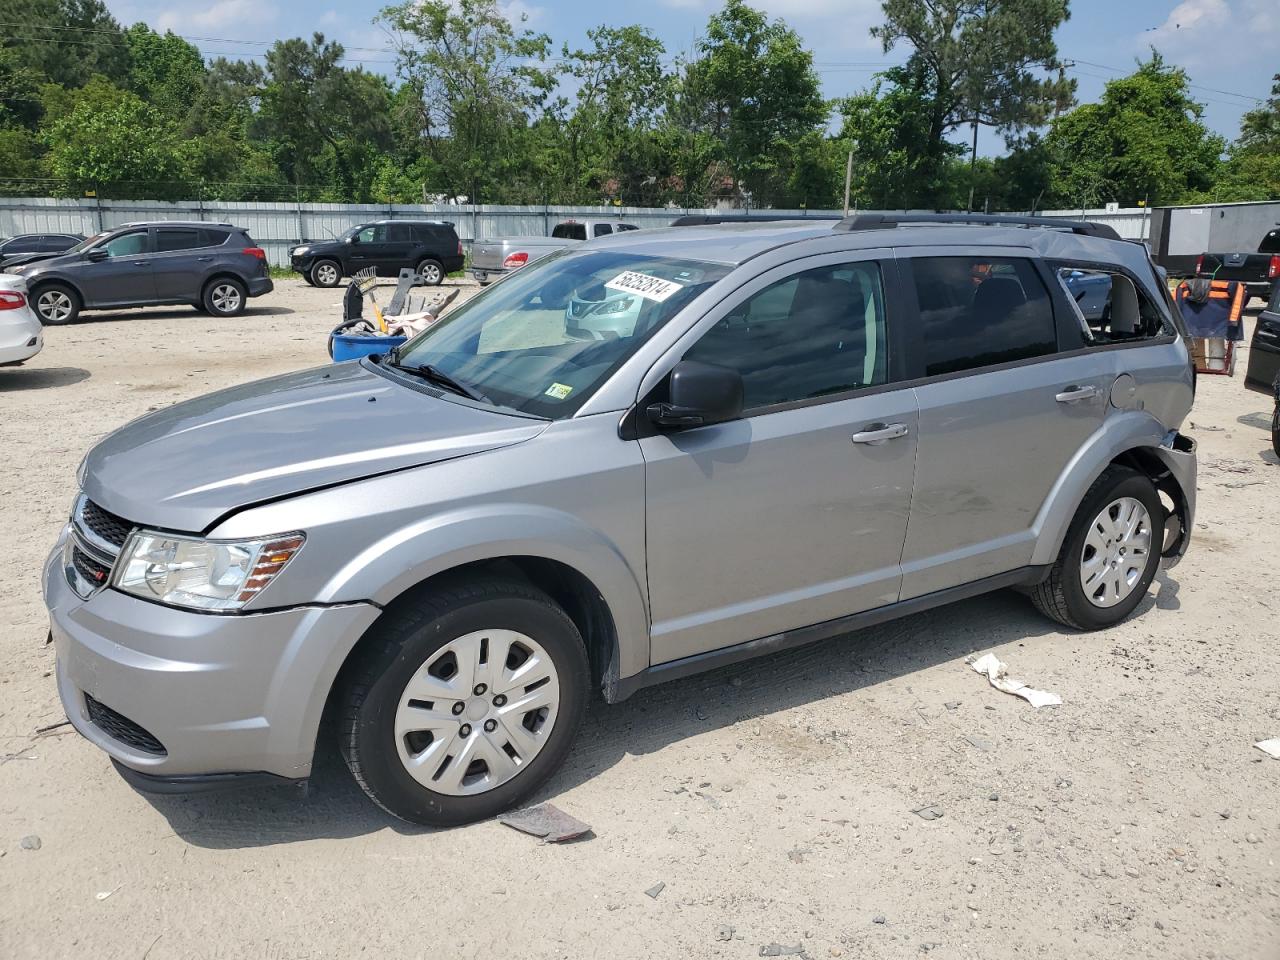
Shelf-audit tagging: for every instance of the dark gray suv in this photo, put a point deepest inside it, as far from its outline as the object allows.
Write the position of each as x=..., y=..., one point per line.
x=211, y=266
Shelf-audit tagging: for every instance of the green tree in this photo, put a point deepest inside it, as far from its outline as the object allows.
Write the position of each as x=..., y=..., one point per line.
x=1145, y=139
x=754, y=90
x=475, y=80
x=985, y=63
x=1252, y=168
x=325, y=123
x=66, y=41
x=164, y=70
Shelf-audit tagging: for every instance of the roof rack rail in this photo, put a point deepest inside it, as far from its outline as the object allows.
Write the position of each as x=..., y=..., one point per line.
x=712, y=219
x=885, y=221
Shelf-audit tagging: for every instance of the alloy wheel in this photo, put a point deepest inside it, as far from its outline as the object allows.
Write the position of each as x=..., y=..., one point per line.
x=54, y=306
x=326, y=274
x=1116, y=550
x=430, y=273
x=477, y=712
x=225, y=298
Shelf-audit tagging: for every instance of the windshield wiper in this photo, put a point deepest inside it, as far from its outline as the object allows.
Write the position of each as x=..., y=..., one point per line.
x=437, y=376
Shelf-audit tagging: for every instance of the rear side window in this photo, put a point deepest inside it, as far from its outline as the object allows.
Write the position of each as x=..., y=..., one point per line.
x=216, y=238
x=1110, y=307
x=177, y=239
x=56, y=243
x=399, y=233
x=981, y=311
x=569, y=231
x=602, y=229
x=627, y=226
x=1270, y=243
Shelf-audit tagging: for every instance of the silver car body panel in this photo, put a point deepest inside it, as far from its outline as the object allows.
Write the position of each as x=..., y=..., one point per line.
x=696, y=542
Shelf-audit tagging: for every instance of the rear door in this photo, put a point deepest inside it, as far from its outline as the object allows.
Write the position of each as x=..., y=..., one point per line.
x=401, y=248
x=124, y=278
x=183, y=258
x=1001, y=413
x=794, y=514
x=1264, y=350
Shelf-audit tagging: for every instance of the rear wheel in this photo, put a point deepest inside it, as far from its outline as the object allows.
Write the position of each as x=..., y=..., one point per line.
x=1275, y=429
x=431, y=272
x=464, y=701
x=224, y=297
x=325, y=273
x=56, y=304
x=1110, y=554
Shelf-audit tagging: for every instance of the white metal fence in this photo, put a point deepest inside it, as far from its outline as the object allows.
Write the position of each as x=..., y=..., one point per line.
x=275, y=226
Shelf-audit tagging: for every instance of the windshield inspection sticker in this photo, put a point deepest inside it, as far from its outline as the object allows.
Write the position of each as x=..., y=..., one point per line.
x=559, y=390
x=651, y=288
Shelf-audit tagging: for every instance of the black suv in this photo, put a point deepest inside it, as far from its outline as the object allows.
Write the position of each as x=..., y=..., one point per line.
x=211, y=266
x=431, y=247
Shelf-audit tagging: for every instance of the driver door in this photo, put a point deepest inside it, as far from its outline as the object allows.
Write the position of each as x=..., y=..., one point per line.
x=796, y=513
x=124, y=278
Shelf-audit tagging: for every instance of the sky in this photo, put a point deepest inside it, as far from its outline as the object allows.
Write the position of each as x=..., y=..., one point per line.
x=1228, y=47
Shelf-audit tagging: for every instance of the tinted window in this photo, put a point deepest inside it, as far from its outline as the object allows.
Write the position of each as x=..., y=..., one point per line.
x=601, y=229
x=177, y=238
x=627, y=226
x=375, y=233
x=817, y=333
x=1270, y=243
x=214, y=238
x=56, y=243
x=24, y=245
x=570, y=231
x=399, y=233
x=980, y=311
x=126, y=245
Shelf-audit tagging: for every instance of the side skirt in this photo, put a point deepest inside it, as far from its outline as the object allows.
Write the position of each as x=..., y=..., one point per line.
x=687, y=666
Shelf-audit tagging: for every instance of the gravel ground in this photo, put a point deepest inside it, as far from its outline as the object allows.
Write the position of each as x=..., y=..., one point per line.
x=773, y=799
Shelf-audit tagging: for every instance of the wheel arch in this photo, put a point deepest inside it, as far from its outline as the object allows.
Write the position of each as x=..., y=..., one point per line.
x=34, y=288
x=1136, y=440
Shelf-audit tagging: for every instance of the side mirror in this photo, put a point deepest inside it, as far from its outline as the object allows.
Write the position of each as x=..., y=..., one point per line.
x=354, y=238
x=701, y=393
x=97, y=255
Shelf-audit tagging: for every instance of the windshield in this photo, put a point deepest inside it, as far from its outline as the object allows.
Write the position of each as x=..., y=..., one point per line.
x=545, y=338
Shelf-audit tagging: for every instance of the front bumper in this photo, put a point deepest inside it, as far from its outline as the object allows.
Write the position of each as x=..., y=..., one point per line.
x=222, y=694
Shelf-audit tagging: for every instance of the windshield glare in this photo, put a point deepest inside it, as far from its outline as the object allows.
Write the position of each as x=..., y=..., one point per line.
x=86, y=244
x=545, y=338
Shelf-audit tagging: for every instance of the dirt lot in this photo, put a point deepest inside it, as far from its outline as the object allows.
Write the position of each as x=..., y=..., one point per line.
x=772, y=799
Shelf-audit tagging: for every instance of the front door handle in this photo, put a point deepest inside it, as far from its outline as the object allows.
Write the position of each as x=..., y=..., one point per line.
x=1074, y=394
x=140, y=263
x=204, y=259
x=878, y=433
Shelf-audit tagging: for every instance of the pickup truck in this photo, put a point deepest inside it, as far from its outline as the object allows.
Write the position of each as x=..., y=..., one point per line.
x=1257, y=271
x=492, y=259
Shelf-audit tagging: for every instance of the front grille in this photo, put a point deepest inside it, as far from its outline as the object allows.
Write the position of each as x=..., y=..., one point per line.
x=106, y=525
x=93, y=572
x=120, y=727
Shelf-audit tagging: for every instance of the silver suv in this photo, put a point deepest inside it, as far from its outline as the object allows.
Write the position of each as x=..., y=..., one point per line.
x=802, y=428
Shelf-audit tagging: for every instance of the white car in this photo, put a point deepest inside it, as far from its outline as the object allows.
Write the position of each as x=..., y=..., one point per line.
x=21, y=333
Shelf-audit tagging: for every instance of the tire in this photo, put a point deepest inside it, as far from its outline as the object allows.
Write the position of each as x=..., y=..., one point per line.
x=431, y=272
x=1109, y=597
x=325, y=273
x=1275, y=429
x=429, y=645
x=56, y=304
x=224, y=297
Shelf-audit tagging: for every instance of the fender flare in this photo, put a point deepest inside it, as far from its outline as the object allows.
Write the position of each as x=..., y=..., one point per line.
x=1128, y=432
x=394, y=564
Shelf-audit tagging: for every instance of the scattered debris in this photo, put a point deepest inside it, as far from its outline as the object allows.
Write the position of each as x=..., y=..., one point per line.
x=656, y=889
x=879, y=918
x=779, y=950
x=550, y=823
x=30, y=842
x=103, y=894
x=952, y=704
x=930, y=812
x=994, y=796
x=724, y=933
x=978, y=743
x=53, y=726
x=796, y=855
x=998, y=674
x=1270, y=747
x=1252, y=838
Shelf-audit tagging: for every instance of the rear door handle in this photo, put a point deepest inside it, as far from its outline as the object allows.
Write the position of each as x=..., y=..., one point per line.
x=1074, y=394
x=141, y=263
x=878, y=433
x=204, y=259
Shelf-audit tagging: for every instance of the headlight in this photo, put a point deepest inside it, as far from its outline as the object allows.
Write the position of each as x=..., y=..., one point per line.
x=202, y=574
x=299, y=251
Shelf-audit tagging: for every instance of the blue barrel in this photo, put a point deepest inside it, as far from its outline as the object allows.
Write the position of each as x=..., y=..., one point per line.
x=350, y=346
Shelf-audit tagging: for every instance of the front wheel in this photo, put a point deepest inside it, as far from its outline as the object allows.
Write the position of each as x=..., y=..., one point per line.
x=325, y=273
x=56, y=304
x=464, y=700
x=431, y=272
x=1110, y=554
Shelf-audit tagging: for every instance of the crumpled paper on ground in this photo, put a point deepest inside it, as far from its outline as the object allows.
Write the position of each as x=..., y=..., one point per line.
x=550, y=823
x=1270, y=747
x=996, y=672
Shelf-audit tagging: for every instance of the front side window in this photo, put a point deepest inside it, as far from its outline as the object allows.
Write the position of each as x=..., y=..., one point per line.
x=375, y=233
x=603, y=229
x=815, y=334
x=981, y=311
x=126, y=245
x=569, y=231
x=547, y=337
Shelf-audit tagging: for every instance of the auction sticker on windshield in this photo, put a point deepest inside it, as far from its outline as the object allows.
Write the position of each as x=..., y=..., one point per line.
x=651, y=288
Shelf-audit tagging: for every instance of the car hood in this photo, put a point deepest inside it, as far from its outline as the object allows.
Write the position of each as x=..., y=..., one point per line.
x=319, y=246
x=22, y=259
x=184, y=467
